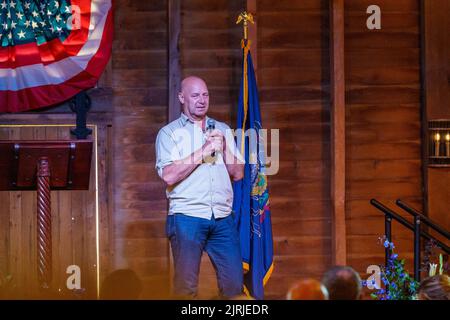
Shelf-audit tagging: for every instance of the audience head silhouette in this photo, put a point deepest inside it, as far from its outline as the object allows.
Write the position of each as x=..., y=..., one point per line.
x=342, y=283
x=307, y=289
x=122, y=284
x=435, y=288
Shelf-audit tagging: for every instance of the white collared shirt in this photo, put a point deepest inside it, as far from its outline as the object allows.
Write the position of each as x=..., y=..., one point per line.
x=207, y=190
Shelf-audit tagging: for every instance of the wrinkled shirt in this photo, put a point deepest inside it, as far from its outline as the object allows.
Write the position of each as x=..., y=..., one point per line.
x=207, y=190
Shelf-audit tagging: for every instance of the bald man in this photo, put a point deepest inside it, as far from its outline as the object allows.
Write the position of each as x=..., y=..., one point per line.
x=342, y=283
x=198, y=163
x=307, y=289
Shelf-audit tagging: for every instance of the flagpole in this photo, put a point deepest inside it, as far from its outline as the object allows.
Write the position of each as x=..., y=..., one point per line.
x=245, y=17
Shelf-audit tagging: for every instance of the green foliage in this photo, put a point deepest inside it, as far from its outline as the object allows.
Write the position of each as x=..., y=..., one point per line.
x=398, y=284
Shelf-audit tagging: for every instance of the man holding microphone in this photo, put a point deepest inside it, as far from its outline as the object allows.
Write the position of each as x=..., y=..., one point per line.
x=197, y=157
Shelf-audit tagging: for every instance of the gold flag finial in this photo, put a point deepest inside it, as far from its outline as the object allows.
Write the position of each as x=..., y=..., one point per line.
x=246, y=17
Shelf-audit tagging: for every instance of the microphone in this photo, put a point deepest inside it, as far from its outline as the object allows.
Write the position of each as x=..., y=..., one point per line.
x=211, y=125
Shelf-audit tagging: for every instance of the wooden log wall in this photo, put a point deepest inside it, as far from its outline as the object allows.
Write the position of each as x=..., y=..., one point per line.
x=210, y=48
x=74, y=222
x=436, y=101
x=383, y=138
x=139, y=67
x=383, y=127
x=383, y=108
x=293, y=74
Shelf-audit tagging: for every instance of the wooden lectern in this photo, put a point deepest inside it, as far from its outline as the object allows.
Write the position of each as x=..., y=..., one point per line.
x=45, y=166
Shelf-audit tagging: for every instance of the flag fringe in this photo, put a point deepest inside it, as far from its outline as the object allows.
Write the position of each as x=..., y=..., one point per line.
x=266, y=278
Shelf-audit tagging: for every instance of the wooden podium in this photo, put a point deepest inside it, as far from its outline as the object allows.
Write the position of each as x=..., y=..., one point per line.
x=45, y=166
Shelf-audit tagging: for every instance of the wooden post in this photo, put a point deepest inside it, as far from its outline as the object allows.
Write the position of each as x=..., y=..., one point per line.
x=44, y=222
x=174, y=66
x=339, y=251
x=435, y=104
x=174, y=86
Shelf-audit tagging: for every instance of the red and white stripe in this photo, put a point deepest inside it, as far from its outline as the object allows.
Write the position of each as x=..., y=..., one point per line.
x=33, y=76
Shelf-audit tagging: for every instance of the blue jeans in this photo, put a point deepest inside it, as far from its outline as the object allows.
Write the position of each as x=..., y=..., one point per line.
x=189, y=237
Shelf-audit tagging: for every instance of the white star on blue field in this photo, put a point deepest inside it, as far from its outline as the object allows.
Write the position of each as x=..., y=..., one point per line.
x=24, y=21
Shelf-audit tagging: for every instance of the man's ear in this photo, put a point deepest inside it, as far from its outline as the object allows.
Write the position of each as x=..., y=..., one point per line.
x=181, y=97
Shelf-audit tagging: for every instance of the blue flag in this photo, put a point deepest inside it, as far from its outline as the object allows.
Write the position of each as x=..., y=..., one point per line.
x=251, y=196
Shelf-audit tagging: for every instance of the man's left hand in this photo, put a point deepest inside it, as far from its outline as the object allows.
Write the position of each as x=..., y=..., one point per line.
x=217, y=138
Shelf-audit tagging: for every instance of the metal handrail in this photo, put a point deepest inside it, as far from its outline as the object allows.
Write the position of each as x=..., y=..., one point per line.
x=418, y=233
x=424, y=218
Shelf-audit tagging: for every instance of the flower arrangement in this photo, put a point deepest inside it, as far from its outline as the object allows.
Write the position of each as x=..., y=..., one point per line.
x=433, y=267
x=429, y=264
x=398, y=284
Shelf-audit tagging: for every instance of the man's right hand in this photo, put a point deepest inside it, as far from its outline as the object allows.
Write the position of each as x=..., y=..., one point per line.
x=180, y=169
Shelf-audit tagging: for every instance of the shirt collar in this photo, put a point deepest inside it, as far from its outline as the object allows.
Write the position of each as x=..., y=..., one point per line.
x=184, y=119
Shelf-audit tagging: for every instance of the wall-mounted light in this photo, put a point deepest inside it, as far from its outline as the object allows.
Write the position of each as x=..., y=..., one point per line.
x=439, y=143
x=447, y=144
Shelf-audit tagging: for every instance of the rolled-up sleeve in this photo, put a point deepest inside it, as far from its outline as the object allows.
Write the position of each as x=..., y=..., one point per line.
x=166, y=151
